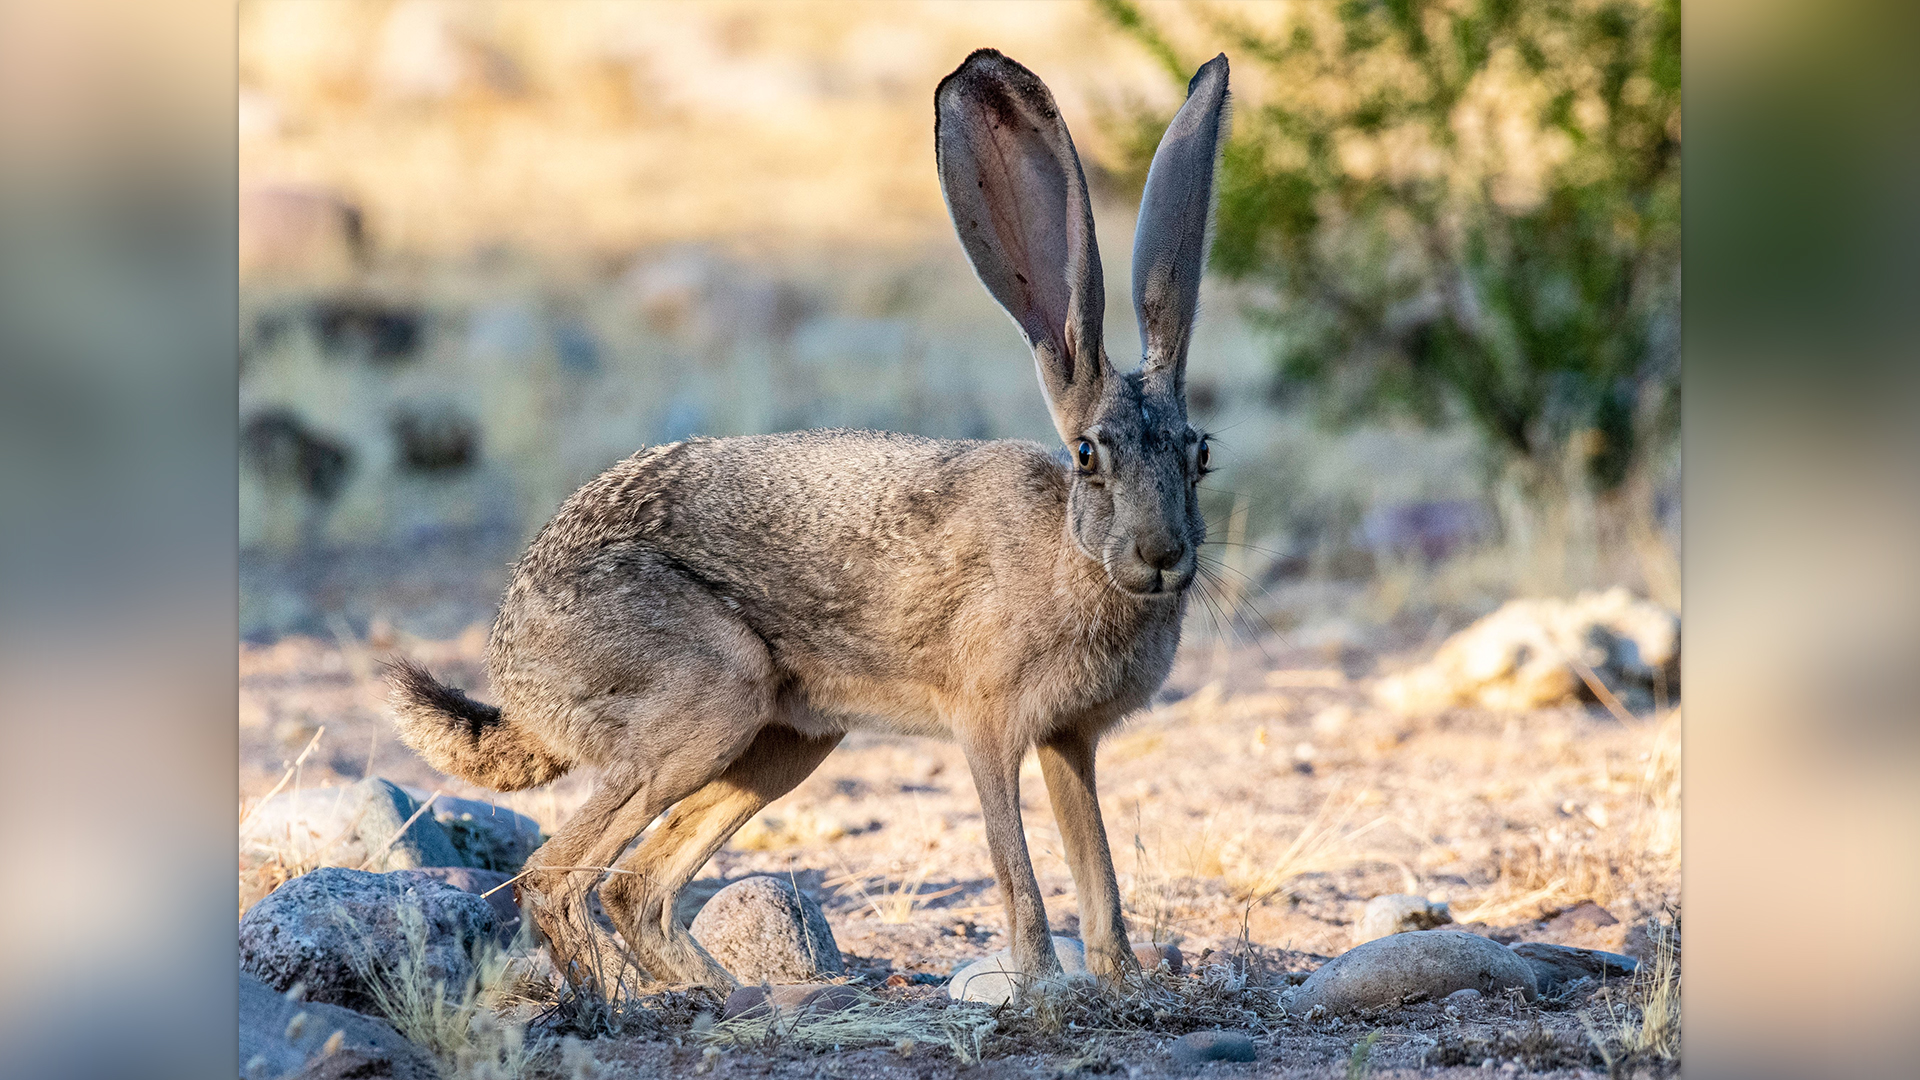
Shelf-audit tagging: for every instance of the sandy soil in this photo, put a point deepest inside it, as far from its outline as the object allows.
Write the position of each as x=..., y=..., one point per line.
x=1253, y=811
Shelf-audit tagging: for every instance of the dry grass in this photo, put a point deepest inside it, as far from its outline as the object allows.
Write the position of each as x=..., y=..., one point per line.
x=1644, y=1027
x=457, y=1025
x=1536, y=873
x=1328, y=842
x=871, y=1021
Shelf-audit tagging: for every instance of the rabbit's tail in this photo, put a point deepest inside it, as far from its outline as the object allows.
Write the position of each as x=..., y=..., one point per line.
x=464, y=737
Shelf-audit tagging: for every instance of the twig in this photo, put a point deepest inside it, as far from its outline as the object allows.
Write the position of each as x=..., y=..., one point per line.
x=537, y=869
x=1592, y=679
x=286, y=776
x=395, y=838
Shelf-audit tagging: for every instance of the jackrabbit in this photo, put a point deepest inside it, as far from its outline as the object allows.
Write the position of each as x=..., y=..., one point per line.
x=706, y=620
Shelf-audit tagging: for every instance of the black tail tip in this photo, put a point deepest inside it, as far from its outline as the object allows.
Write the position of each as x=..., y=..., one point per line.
x=413, y=686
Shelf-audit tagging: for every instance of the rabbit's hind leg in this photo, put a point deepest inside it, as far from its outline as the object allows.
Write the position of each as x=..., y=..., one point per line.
x=663, y=686
x=560, y=875
x=641, y=898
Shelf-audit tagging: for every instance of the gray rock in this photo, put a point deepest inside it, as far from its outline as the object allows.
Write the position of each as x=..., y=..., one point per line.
x=1397, y=913
x=351, y=826
x=788, y=1000
x=333, y=927
x=1200, y=1047
x=992, y=980
x=1464, y=997
x=1557, y=967
x=281, y=1037
x=1420, y=964
x=489, y=885
x=762, y=929
x=1151, y=956
x=487, y=837
x=383, y=807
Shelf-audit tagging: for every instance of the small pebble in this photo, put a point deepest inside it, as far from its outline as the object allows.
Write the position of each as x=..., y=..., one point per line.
x=1200, y=1047
x=789, y=999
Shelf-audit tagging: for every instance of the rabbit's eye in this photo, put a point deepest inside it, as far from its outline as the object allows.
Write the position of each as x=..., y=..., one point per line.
x=1202, y=455
x=1083, y=455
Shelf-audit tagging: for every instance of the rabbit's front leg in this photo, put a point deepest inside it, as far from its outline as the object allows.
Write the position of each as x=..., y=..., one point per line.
x=1067, y=763
x=996, y=776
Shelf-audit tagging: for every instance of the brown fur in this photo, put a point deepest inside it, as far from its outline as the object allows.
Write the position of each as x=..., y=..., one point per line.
x=706, y=620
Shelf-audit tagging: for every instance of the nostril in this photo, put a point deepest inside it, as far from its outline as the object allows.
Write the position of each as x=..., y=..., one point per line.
x=1161, y=555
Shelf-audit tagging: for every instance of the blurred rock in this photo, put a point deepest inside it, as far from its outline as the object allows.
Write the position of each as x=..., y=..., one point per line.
x=1397, y=913
x=763, y=929
x=347, y=826
x=367, y=332
x=1585, y=915
x=1557, y=967
x=1464, y=997
x=488, y=837
x=1431, y=530
x=788, y=1000
x=279, y=448
x=993, y=980
x=481, y=883
x=281, y=1037
x=1420, y=964
x=1152, y=956
x=333, y=927
x=313, y=233
x=434, y=438
x=1200, y=1047
x=1520, y=657
x=393, y=831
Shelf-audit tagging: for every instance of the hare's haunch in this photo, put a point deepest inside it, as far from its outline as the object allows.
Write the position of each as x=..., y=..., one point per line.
x=705, y=621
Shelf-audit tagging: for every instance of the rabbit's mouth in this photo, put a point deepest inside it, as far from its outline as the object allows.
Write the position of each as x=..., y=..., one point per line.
x=1154, y=575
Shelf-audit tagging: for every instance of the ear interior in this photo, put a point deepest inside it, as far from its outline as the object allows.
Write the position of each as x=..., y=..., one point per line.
x=1170, y=242
x=1018, y=198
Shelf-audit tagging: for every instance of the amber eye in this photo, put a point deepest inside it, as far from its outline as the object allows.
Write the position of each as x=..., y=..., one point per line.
x=1083, y=455
x=1202, y=455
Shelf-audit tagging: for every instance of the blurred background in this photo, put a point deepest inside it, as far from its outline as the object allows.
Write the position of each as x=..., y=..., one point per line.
x=487, y=249
x=118, y=155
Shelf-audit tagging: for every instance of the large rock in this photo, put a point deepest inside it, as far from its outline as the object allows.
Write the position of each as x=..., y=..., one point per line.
x=1420, y=964
x=487, y=837
x=1397, y=913
x=1520, y=657
x=333, y=927
x=492, y=886
x=358, y=825
x=282, y=1037
x=1558, y=967
x=763, y=929
x=993, y=979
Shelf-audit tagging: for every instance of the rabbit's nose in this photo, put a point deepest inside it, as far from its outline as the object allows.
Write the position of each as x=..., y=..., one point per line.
x=1160, y=552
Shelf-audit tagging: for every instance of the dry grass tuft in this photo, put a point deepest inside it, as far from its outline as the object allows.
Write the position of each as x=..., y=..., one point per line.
x=457, y=1025
x=1328, y=842
x=872, y=1021
x=1537, y=873
x=1642, y=1027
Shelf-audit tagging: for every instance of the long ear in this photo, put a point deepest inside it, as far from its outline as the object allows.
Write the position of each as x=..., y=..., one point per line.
x=1176, y=218
x=1019, y=202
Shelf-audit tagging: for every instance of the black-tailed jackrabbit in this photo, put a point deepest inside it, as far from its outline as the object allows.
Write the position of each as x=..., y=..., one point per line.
x=706, y=620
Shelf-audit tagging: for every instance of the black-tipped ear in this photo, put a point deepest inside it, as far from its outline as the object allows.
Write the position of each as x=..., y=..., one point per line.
x=1176, y=222
x=1019, y=202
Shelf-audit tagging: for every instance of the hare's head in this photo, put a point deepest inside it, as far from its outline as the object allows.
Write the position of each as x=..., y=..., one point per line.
x=1019, y=201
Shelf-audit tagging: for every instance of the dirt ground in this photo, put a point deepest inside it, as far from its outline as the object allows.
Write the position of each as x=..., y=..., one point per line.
x=1252, y=811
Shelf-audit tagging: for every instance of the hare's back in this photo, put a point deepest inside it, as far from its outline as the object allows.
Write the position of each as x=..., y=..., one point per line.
x=813, y=514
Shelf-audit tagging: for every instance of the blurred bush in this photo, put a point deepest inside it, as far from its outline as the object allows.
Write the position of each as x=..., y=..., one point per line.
x=1461, y=211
